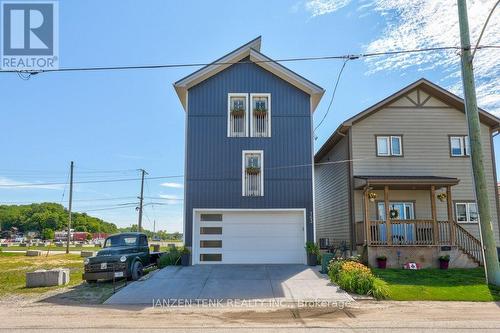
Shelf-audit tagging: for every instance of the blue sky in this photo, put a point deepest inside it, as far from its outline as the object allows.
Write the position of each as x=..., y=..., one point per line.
x=112, y=123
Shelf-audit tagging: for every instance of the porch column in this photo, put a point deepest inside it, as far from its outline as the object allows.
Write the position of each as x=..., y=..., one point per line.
x=433, y=212
x=367, y=218
x=387, y=215
x=449, y=204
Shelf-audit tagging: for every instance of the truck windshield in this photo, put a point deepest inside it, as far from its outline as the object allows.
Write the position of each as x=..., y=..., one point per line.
x=121, y=240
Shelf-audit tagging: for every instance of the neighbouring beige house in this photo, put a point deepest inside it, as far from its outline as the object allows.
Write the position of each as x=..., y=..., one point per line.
x=396, y=180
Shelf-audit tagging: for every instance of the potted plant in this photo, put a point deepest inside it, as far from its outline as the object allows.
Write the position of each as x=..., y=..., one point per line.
x=260, y=111
x=382, y=262
x=441, y=197
x=238, y=111
x=444, y=261
x=185, y=256
x=251, y=170
x=312, y=250
x=393, y=214
x=372, y=196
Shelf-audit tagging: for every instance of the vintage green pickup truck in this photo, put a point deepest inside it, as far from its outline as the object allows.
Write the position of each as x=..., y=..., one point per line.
x=124, y=255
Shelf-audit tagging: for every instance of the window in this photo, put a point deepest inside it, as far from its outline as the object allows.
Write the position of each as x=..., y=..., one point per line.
x=253, y=173
x=466, y=212
x=389, y=145
x=210, y=230
x=459, y=145
x=405, y=210
x=237, y=107
x=211, y=217
x=260, y=123
x=211, y=257
x=211, y=243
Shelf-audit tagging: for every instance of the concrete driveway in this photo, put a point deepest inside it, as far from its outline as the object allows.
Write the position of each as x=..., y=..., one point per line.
x=280, y=283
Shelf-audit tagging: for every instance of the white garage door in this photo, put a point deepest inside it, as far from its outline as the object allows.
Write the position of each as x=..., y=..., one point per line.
x=249, y=237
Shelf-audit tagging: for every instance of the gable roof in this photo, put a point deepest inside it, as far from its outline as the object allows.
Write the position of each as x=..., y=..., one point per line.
x=252, y=51
x=425, y=85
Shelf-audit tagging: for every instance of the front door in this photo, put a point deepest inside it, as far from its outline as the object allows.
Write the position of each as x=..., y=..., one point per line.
x=405, y=210
x=401, y=232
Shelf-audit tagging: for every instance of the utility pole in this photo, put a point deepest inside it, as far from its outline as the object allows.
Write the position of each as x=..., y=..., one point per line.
x=491, y=264
x=141, y=199
x=68, y=234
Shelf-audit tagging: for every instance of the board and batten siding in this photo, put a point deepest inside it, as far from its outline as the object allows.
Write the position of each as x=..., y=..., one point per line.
x=214, y=161
x=426, y=150
x=332, y=194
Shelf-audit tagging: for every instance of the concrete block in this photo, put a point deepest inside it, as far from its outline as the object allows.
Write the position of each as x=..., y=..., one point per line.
x=47, y=278
x=33, y=253
x=5, y=244
x=156, y=247
x=85, y=254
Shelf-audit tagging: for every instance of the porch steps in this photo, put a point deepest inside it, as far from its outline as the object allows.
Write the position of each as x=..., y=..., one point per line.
x=464, y=260
x=468, y=244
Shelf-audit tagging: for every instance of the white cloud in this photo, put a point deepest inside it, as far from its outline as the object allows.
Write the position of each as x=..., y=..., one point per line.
x=169, y=196
x=430, y=23
x=6, y=183
x=171, y=199
x=172, y=185
x=322, y=7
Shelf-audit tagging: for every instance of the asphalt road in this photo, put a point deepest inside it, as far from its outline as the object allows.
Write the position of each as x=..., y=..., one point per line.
x=364, y=316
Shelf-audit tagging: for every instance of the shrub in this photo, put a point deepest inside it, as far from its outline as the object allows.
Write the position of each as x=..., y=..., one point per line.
x=355, y=277
x=312, y=248
x=172, y=257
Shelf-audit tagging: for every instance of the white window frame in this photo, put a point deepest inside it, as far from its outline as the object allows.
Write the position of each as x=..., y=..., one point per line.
x=406, y=204
x=243, y=171
x=268, y=95
x=464, y=145
x=467, y=212
x=247, y=117
x=390, y=151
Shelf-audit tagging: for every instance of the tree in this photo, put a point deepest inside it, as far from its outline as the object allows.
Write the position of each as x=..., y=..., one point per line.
x=47, y=215
x=48, y=233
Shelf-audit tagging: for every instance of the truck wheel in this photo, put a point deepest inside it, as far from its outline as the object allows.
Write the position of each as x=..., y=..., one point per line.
x=137, y=271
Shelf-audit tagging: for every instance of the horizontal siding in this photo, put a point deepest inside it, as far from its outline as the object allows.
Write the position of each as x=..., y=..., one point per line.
x=214, y=161
x=426, y=151
x=332, y=194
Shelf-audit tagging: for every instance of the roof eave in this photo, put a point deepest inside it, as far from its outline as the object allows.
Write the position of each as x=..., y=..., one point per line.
x=182, y=85
x=316, y=92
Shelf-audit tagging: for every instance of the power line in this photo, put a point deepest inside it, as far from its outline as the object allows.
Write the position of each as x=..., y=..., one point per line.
x=87, y=181
x=108, y=208
x=333, y=94
x=483, y=29
x=76, y=200
x=313, y=58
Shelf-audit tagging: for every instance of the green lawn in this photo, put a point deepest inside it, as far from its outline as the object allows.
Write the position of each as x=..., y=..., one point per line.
x=51, y=248
x=13, y=268
x=438, y=285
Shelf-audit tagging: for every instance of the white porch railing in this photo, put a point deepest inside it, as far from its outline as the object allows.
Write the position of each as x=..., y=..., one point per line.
x=260, y=126
x=253, y=185
x=237, y=126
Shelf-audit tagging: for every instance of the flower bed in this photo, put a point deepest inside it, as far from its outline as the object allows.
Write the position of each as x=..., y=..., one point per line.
x=353, y=276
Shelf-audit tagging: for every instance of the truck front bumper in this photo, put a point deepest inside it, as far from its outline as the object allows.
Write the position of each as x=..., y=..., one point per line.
x=113, y=270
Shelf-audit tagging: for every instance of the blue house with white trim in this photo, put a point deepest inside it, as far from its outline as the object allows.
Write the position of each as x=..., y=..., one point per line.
x=249, y=160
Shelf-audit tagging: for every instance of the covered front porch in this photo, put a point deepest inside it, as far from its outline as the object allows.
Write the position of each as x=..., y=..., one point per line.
x=411, y=211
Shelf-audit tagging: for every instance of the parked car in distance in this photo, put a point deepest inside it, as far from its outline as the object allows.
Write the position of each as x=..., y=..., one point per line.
x=123, y=255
